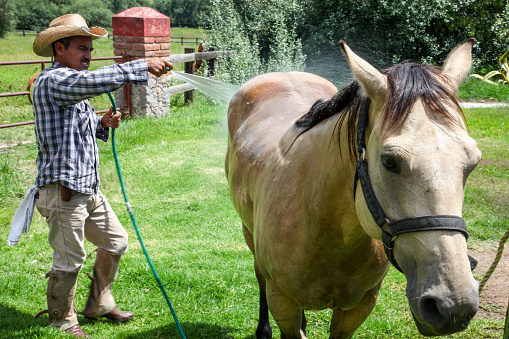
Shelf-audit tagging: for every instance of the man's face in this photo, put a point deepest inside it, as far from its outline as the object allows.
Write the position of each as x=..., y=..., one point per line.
x=77, y=56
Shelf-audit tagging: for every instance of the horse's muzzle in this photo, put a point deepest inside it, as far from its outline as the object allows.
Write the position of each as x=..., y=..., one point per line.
x=437, y=315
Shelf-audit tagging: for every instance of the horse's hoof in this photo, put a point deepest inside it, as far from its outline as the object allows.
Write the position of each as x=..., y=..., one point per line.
x=264, y=332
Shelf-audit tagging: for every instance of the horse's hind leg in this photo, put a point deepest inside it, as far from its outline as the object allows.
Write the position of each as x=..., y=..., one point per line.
x=264, y=330
x=345, y=323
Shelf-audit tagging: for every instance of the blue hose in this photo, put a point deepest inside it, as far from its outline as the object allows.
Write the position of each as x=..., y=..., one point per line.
x=131, y=213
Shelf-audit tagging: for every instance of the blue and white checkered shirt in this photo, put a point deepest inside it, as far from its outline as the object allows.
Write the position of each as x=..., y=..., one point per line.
x=66, y=126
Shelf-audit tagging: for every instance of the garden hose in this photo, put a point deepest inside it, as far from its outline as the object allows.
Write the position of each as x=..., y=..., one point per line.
x=131, y=213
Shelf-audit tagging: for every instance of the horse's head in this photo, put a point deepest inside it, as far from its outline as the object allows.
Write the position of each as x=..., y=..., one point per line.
x=419, y=156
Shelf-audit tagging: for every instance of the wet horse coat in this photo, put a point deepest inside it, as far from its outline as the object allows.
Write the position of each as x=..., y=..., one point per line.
x=316, y=247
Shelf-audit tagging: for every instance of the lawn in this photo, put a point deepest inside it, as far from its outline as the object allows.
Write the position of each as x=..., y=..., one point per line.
x=173, y=169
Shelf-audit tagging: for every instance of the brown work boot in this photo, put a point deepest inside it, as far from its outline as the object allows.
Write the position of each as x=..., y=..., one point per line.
x=119, y=316
x=100, y=301
x=77, y=331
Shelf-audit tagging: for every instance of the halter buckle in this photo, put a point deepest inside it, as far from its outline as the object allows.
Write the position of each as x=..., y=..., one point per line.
x=363, y=153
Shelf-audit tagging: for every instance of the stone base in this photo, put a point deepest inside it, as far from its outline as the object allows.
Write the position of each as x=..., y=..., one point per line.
x=148, y=100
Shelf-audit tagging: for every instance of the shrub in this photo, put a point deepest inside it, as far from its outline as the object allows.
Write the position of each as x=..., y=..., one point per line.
x=262, y=34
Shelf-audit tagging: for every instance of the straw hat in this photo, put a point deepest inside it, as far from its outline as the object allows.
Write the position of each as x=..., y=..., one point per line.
x=62, y=27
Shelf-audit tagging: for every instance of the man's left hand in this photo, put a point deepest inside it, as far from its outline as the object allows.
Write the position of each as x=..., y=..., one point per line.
x=111, y=120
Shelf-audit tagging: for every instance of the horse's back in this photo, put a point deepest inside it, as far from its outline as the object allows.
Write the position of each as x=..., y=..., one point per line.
x=280, y=96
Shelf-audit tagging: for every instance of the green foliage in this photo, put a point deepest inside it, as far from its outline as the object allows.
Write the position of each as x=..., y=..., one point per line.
x=285, y=49
x=6, y=10
x=35, y=14
x=262, y=34
x=415, y=30
x=117, y=6
x=95, y=12
x=187, y=13
x=503, y=73
x=227, y=33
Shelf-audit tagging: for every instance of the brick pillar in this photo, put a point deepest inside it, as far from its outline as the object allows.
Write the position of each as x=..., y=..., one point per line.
x=138, y=33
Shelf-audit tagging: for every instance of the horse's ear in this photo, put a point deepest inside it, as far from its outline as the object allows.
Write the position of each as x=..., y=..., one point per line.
x=374, y=82
x=457, y=64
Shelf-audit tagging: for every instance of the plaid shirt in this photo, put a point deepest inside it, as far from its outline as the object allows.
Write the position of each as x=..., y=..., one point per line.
x=66, y=126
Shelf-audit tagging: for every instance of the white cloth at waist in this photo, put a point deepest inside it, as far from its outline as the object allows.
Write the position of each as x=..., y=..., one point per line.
x=23, y=217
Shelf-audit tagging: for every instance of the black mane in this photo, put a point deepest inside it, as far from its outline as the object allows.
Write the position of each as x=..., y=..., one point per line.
x=407, y=82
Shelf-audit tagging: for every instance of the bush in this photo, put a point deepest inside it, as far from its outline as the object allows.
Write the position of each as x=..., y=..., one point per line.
x=6, y=9
x=262, y=34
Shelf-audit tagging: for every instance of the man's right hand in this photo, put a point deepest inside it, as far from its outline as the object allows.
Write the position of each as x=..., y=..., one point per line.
x=158, y=66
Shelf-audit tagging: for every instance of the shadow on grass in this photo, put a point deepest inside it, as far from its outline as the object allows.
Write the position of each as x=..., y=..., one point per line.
x=191, y=331
x=17, y=324
x=13, y=320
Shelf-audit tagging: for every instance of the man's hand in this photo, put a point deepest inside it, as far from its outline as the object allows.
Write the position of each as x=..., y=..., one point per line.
x=158, y=66
x=110, y=120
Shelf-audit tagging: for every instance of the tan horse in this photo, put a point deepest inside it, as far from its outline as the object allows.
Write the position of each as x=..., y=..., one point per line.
x=317, y=247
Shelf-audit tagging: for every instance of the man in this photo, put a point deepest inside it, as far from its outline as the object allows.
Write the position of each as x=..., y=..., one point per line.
x=68, y=183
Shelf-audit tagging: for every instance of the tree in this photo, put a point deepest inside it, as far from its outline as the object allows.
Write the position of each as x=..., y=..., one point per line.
x=35, y=14
x=6, y=10
x=262, y=34
x=418, y=30
x=117, y=6
x=183, y=12
x=95, y=12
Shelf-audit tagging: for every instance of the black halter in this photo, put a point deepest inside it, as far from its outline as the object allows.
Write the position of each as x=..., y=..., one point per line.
x=418, y=224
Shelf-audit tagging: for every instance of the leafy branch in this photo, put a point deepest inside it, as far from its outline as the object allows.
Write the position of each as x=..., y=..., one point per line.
x=505, y=69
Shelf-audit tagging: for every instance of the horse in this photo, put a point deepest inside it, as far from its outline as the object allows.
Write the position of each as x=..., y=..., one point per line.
x=334, y=186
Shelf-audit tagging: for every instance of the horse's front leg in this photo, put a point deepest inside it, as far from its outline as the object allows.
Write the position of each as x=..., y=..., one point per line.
x=290, y=319
x=264, y=330
x=345, y=323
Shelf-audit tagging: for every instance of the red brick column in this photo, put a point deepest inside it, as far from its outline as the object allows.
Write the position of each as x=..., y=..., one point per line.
x=142, y=32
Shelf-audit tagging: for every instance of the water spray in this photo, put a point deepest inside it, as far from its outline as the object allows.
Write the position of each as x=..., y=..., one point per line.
x=214, y=88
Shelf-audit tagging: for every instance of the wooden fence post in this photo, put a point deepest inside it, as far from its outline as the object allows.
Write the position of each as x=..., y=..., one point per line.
x=189, y=68
x=212, y=63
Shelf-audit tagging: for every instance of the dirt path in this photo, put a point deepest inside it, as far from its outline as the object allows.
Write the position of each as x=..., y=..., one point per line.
x=2, y=146
x=495, y=296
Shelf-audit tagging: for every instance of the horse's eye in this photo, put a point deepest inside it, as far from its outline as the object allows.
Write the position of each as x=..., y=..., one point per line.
x=390, y=164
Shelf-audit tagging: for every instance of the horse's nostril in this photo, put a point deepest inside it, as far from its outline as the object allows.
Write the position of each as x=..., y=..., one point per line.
x=430, y=312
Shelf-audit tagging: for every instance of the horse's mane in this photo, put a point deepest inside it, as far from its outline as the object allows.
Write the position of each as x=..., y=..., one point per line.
x=407, y=82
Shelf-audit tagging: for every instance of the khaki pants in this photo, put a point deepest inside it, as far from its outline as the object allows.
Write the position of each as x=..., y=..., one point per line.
x=87, y=216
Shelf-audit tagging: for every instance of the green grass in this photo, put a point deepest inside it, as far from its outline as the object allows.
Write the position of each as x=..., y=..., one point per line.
x=475, y=89
x=173, y=169
x=173, y=172
x=487, y=194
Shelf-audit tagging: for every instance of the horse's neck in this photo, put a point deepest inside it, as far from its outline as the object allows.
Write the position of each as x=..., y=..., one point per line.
x=330, y=171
